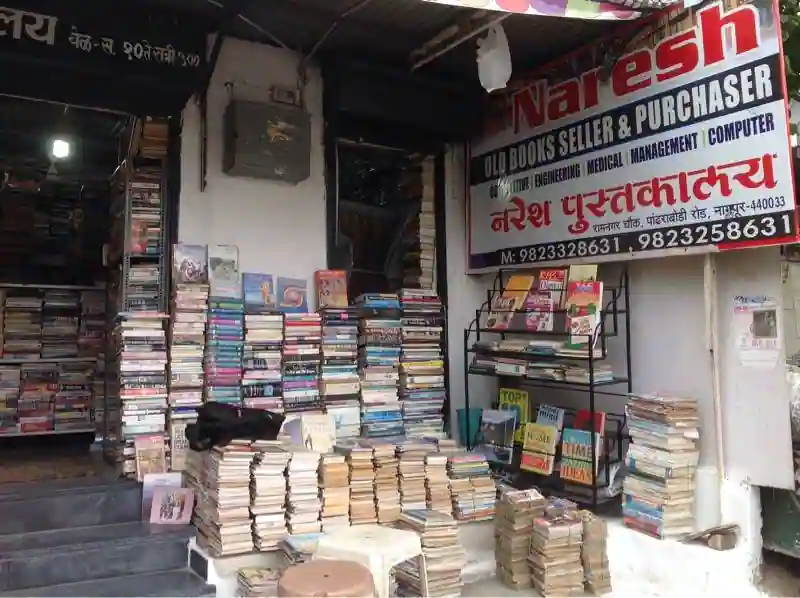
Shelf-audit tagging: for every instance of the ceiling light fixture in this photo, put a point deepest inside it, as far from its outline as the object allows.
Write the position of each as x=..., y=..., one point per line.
x=60, y=149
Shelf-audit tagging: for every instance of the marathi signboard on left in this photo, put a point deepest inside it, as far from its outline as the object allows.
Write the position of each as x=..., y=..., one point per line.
x=683, y=143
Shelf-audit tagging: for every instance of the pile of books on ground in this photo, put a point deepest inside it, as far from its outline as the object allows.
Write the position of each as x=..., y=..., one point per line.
x=387, y=493
x=334, y=484
x=472, y=488
x=223, y=510
x=224, y=350
x=594, y=554
x=299, y=549
x=187, y=343
x=411, y=454
x=268, y=493
x=555, y=555
x=380, y=336
x=362, y=479
x=658, y=492
x=302, y=493
x=73, y=400
x=22, y=325
x=301, y=362
x=438, y=571
x=340, y=385
x=60, y=316
x=262, y=385
x=422, y=388
x=437, y=484
x=513, y=526
x=142, y=360
x=257, y=582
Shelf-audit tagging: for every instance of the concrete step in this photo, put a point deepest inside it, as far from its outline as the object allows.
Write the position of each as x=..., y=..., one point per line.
x=80, y=554
x=177, y=583
x=37, y=507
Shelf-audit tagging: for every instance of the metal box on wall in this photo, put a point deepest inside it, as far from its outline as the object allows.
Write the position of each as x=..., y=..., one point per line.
x=267, y=141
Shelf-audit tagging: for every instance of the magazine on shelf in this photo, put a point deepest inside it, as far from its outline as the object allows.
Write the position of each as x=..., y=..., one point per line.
x=259, y=291
x=583, y=305
x=292, y=295
x=510, y=301
x=224, y=277
x=331, y=288
x=576, y=455
x=539, y=448
x=496, y=440
x=190, y=263
x=545, y=298
x=516, y=400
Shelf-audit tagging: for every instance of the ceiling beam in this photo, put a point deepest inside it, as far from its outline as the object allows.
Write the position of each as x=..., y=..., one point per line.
x=453, y=36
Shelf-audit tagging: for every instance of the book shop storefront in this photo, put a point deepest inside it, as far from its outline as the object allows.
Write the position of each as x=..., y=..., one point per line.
x=659, y=195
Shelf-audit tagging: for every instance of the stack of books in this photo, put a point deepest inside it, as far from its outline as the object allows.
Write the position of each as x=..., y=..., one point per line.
x=301, y=362
x=141, y=345
x=379, y=342
x=422, y=387
x=10, y=378
x=262, y=386
x=658, y=492
x=387, y=491
x=37, y=392
x=302, y=493
x=143, y=288
x=299, y=549
x=437, y=484
x=223, y=510
x=257, y=582
x=73, y=400
x=472, y=489
x=22, y=325
x=513, y=526
x=60, y=316
x=334, y=484
x=362, y=478
x=340, y=385
x=224, y=351
x=594, y=554
x=186, y=351
x=268, y=493
x=555, y=556
x=419, y=261
x=438, y=571
x=91, y=343
x=412, y=474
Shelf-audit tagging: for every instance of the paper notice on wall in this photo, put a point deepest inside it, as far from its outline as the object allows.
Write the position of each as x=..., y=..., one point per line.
x=756, y=331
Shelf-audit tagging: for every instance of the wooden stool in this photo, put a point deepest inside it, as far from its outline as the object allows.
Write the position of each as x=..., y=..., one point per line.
x=326, y=579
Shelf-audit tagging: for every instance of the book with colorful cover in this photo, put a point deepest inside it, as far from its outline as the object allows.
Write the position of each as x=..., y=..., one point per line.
x=224, y=276
x=583, y=421
x=189, y=263
x=259, y=291
x=537, y=463
x=150, y=455
x=509, y=302
x=331, y=288
x=539, y=448
x=496, y=439
x=583, y=306
x=516, y=400
x=544, y=299
x=576, y=455
x=172, y=506
x=547, y=415
x=292, y=295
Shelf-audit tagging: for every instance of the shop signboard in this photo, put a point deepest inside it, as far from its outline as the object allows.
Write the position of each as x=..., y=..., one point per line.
x=574, y=9
x=681, y=144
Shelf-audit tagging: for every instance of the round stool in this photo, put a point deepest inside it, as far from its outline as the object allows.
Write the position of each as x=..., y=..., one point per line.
x=326, y=579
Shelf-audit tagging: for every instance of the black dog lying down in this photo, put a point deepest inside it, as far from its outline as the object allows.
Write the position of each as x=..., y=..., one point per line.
x=217, y=424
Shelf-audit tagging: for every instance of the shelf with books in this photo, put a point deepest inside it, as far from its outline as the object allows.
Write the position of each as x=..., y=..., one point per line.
x=548, y=329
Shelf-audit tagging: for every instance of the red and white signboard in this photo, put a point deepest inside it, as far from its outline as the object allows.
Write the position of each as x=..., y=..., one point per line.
x=684, y=143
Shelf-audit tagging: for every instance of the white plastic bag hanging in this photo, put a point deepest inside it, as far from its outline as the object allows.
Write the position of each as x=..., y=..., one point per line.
x=494, y=59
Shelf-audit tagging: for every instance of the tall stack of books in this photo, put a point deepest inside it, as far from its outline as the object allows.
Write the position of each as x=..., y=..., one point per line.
x=379, y=341
x=60, y=316
x=301, y=362
x=186, y=347
x=362, y=479
x=223, y=513
x=422, y=384
x=268, y=493
x=334, y=484
x=262, y=386
x=437, y=484
x=472, y=489
x=22, y=325
x=9, y=398
x=340, y=385
x=420, y=260
x=658, y=492
x=141, y=345
x=555, y=556
x=73, y=400
x=513, y=526
x=303, y=504
x=387, y=491
x=91, y=343
x=594, y=554
x=224, y=351
x=439, y=572
x=411, y=455
x=37, y=392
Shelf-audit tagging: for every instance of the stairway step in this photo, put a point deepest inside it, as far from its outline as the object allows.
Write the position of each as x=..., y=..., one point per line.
x=36, y=508
x=178, y=583
x=18, y=491
x=81, y=554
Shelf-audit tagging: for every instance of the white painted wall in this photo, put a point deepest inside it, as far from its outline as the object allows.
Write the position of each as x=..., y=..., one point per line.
x=279, y=228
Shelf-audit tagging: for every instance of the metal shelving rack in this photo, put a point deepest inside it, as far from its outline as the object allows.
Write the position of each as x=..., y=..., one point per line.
x=614, y=322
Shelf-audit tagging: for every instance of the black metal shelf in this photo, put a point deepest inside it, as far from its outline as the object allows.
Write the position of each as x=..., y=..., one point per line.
x=614, y=321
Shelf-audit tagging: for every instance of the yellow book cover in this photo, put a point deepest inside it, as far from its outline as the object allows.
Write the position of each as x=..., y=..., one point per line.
x=516, y=400
x=513, y=296
x=540, y=438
